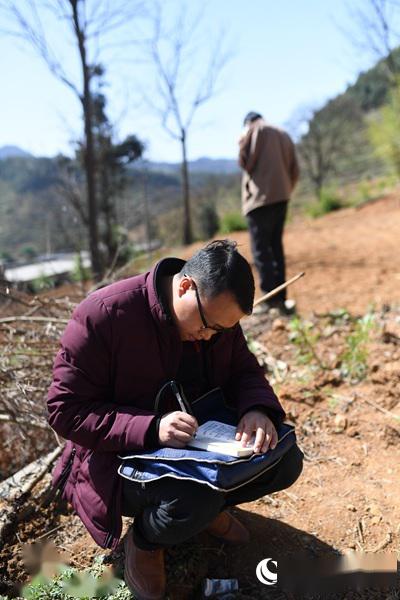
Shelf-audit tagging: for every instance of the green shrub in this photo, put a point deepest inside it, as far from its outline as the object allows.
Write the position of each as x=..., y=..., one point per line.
x=28, y=252
x=384, y=129
x=6, y=257
x=370, y=189
x=233, y=221
x=208, y=220
x=328, y=202
x=41, y=284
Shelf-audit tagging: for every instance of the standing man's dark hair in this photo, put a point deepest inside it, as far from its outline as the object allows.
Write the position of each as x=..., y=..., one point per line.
x=251, y=117
x=270, y=172
x=218, y=268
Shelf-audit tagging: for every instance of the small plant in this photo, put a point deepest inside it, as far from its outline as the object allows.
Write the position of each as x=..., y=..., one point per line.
x=68, y=583
x=233, y=221
x=80, y=272
x=355, y=356
x=333, y=402
x=304, y=336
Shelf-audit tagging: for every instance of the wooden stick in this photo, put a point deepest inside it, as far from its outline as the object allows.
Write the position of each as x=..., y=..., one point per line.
x=14, y=488
x=383, y=543
x=278, y=289
x=24, y=480
x=33, y=319
x=382, y=410
x=22, y=421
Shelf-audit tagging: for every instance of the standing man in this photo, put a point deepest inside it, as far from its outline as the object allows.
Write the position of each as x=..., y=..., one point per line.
x=270, y=172
x=178, y=321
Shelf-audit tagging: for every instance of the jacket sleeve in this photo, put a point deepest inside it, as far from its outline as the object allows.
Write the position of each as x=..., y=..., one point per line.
x=244, y=147
x=294, y=166
x=248, y=385
x=80, y=399
x=249, y=150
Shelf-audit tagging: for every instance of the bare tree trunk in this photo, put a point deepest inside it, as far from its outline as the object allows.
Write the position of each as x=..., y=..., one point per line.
x=146, y=210
x=171, y=52
x=109, y=216
x=107, y=235
x=187, y=221
x=318, y=190
x=89, y=152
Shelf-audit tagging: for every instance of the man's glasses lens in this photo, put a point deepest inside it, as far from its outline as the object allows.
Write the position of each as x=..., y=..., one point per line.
x=203, y=318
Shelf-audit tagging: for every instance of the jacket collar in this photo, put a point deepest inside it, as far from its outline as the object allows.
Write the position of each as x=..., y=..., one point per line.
x=158, y=304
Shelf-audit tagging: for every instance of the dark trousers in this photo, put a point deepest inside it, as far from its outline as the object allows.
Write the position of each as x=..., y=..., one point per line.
x=266, y=225
x=170, y=511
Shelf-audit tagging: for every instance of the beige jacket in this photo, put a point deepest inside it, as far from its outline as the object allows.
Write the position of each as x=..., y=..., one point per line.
x=271, y=170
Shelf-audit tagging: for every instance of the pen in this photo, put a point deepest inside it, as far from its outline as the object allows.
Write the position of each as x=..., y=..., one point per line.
x=182, y=401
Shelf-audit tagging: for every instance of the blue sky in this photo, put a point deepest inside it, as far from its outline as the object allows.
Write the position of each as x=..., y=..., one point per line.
x=285, y=55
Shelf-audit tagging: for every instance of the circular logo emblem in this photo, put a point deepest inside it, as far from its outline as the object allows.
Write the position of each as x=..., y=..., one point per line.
x=264, y=575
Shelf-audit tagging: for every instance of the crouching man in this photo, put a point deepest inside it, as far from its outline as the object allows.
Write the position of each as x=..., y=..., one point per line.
x=178, y=321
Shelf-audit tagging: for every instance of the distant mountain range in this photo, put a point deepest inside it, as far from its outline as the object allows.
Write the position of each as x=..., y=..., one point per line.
x=200, y=165
x=12, y=151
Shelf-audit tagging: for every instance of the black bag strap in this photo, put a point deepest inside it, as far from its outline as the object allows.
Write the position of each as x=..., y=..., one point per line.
x=177, y=392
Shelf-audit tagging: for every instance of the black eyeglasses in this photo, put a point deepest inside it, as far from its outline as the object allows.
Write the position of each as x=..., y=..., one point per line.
x=215, y=328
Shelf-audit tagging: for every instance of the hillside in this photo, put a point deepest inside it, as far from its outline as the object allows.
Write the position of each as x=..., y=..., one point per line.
x=337, y=135
x=35, y=213
x=346, y=411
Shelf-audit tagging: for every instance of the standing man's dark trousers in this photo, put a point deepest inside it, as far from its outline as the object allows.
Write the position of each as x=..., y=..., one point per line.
x=170, y=511
x=266, y=225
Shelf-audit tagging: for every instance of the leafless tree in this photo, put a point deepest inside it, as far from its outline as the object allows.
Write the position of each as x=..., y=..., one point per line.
x=325, y=139
x=377, y=30
x=90, y=23
x=184, y=82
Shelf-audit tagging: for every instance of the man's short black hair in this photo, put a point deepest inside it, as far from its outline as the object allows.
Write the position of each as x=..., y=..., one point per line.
x=218, y=268
x=251, y=117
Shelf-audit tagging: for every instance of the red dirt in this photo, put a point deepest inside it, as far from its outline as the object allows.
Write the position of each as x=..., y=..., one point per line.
x=349, y=257
x=348, y=494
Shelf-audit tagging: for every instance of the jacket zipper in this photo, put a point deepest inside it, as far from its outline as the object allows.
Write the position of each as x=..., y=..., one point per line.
x=66, y=471
x=111, y=534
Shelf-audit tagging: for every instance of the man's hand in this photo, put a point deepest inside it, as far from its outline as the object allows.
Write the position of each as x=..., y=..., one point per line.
x=176, y=429
x=255, y=422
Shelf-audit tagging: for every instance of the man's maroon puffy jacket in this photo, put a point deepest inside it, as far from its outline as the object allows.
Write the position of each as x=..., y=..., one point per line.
x=118, y=349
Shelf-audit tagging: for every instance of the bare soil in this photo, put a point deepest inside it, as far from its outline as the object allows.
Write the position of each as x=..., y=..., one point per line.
x=348, y=494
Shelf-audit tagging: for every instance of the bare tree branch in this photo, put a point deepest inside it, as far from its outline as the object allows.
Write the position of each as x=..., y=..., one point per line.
x=89, y=22
x=32, y=31
x=378, y=29
x=181, y=84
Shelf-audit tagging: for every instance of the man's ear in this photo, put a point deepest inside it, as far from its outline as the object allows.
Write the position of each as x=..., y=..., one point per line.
x=185, y=284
